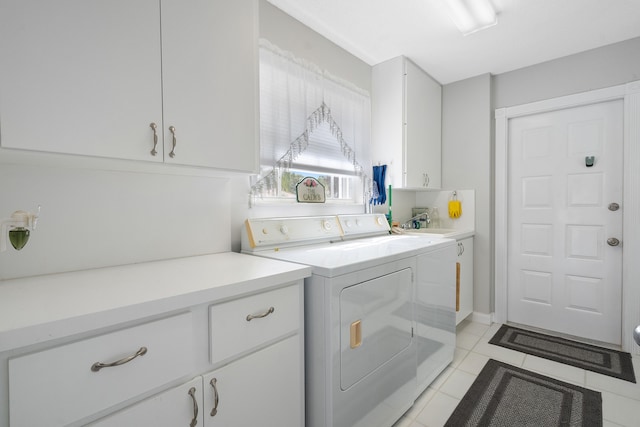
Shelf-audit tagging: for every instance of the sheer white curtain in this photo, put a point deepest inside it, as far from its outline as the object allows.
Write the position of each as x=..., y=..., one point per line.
x=314, y=119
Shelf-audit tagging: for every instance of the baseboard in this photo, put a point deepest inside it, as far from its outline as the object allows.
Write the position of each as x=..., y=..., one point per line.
x=484, y=318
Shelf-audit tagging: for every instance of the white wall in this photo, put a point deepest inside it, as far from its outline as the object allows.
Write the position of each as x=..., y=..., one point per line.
x=95, y=215
x=440, y=200
x=103, y=212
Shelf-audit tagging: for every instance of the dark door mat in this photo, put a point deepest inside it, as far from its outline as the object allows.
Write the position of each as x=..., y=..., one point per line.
x=505, y=395
x=602, y=360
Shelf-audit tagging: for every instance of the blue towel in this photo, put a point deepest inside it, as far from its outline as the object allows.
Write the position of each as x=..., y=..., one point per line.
x=379, y=173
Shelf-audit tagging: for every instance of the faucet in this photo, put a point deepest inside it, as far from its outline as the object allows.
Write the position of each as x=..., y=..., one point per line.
x=408, y=224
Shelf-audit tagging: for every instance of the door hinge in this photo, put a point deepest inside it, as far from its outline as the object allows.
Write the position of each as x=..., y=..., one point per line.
x=412, y=332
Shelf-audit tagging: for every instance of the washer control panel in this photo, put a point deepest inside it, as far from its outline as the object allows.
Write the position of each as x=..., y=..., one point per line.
x=273, y=233
x=363, y=224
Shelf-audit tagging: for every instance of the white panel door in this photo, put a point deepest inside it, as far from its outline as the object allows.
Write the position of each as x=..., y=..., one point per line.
x=563, y=275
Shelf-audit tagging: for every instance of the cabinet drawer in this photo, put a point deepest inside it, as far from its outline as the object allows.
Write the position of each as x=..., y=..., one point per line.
x=233, y=333
x=58, y=386
x=175, y=407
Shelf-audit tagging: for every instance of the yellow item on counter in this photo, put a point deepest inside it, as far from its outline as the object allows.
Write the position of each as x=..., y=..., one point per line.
x=455, y=208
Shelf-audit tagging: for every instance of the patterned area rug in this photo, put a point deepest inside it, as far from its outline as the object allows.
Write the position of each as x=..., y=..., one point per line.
x=590, y=357
x=504, y=395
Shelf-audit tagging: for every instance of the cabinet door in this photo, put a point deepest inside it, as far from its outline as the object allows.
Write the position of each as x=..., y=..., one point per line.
x=434, y=312
x=423, y=116
x=465, y=258
x=80, y=77
x=209, y=71
x=179, y=406
x=262, y=389
x=387, y=118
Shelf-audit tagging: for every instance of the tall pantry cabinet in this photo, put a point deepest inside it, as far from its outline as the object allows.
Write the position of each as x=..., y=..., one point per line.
x=406, y=124
x=154, y=80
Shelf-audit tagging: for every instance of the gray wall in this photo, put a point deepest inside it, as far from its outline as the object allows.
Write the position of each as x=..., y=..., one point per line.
x=468, y=123
x=594, y=69
x=289, y=34
x=467, y=159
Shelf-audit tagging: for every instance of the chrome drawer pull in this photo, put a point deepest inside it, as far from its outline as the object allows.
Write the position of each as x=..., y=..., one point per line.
x=174, y=142
x=99, y=365
x=261, y=315
x=155, y=138
x=213, y=383
x=194, y=420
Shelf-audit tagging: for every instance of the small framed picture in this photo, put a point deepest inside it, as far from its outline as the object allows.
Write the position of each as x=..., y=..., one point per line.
x=310, y=190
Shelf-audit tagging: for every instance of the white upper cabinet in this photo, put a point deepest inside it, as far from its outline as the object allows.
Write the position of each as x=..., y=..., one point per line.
x=406, y=124
x=80, y=77
x=210, y=81
x=90, y=78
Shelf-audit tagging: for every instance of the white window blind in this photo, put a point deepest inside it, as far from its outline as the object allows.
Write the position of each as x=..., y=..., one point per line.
x=316, y=121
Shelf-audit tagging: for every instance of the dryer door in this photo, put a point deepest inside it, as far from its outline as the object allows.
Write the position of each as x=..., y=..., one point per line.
x=375, y=326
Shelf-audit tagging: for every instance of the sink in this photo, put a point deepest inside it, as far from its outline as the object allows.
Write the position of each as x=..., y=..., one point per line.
x=444, y=232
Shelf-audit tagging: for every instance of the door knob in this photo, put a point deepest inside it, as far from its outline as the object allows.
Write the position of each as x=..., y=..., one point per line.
x=614, y=206
x=612, y=241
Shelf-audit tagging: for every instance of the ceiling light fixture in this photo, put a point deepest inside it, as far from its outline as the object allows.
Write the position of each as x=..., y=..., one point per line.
x=472, y=15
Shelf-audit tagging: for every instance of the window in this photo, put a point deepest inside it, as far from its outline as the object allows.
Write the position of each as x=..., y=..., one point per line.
x=337, y=187
x=311, y=124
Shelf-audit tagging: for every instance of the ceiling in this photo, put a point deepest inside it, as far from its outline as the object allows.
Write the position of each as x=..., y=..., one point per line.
x=528, y=31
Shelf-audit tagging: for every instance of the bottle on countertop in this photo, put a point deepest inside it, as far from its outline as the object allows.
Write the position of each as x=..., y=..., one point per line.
x=435, y=218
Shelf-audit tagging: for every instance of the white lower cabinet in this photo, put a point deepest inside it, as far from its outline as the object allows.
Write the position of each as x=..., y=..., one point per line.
x=261, y=389
x=464, y=287
x=242, y=359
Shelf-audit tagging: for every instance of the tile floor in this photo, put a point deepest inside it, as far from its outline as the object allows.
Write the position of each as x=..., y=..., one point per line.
x=620, y=399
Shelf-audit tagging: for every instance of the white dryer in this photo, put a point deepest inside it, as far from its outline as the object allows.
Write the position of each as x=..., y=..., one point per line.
x=379, y=312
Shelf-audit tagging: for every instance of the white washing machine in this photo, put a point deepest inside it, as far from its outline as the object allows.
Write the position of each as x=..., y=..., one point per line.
x=379, y=312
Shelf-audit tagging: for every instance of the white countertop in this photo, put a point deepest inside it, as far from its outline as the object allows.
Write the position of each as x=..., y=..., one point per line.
x=42, y=308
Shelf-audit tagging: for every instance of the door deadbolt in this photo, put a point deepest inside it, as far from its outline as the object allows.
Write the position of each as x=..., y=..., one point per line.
x=614, y=206
x=612, y=241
